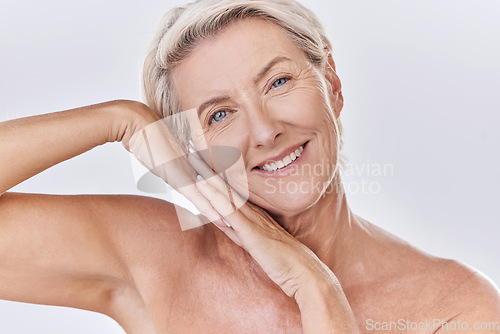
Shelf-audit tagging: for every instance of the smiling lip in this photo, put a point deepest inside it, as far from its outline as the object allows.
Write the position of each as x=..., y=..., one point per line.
x=280, y=156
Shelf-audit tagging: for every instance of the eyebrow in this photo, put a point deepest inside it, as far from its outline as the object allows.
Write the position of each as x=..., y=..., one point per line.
x=213, y=100
x=258, y=77
x=269, y=65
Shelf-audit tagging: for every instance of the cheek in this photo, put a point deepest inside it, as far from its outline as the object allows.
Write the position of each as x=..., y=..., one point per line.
x=303, y=106
x=307, y=109
x=234, y=134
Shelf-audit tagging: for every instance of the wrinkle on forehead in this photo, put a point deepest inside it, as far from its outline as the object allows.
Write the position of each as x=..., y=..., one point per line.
x=230, y=59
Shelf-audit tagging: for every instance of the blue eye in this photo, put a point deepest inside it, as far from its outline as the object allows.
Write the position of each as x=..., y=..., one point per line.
x=280, y=82
x=219, y=115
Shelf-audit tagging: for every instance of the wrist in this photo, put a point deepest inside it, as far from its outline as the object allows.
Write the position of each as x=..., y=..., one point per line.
x=316, y=290
x=127, y=117
x=324, y=307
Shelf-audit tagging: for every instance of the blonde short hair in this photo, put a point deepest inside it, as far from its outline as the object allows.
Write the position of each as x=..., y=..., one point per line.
x=181, y=28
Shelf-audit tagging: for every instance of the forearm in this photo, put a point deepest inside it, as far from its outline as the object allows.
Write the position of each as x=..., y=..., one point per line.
x=32, y=144
x=325, y=309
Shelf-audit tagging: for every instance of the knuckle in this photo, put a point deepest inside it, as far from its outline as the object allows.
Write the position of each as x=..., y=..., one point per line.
x=227, y=208
x=212, y=193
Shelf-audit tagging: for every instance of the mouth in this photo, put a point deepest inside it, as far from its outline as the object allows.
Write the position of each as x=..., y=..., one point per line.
x=283, y=161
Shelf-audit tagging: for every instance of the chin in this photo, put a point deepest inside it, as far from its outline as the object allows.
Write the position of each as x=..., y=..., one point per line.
x=287, y=201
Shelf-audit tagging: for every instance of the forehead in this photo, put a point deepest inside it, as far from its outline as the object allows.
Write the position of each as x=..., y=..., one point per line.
x=227, y=61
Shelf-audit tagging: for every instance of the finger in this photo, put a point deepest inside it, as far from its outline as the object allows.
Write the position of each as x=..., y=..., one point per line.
x=208, y=173
x=199, y=165
x=159, y=150
x=243, y=229
x=227, y=162
x=182, y=178
x=231, y=233
x=219, y=199
x=202, y=204
x=215, y=180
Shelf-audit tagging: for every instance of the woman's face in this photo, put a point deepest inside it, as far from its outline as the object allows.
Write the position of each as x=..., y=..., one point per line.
x=268, y=101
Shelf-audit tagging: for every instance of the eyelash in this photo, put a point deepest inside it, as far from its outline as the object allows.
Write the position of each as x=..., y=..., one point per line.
x=211, y=116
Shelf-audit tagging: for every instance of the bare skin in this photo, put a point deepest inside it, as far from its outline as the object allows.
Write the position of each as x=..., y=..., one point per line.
x=126, y=256
x=141, y=285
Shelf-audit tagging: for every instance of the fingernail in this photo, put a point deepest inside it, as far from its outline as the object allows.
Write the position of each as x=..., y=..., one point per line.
x=201, y=179
x=193, y=151
x=225, y=222
x=191, y=146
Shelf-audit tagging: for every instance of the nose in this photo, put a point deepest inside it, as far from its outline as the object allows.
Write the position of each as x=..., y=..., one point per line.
x=265, y=127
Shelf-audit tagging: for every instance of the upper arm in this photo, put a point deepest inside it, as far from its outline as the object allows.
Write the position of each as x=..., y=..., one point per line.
x=74, y=250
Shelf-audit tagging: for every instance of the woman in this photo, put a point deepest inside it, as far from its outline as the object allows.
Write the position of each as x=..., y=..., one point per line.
x=277, y=263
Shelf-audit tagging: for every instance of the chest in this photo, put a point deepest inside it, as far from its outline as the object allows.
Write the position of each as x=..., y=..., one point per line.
x=229, y=305
x=220, y=299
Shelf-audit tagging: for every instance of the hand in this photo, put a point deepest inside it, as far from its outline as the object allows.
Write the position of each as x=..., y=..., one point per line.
x=287, y=262
x=144, y=134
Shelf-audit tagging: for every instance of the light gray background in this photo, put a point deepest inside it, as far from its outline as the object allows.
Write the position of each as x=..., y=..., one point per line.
x=420, y=81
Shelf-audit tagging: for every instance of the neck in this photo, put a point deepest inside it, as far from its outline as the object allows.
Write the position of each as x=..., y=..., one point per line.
x=327, y=228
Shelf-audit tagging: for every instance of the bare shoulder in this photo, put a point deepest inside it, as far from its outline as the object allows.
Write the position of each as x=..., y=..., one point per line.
x=460, y=298
x=428, y=287
x=400, y=259
x=471, y=295
x=162, y=258
x=103, y=253
x=146, y=227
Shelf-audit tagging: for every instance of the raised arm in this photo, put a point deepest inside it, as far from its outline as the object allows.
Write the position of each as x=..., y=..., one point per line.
x=32, y=144
x=66, y=250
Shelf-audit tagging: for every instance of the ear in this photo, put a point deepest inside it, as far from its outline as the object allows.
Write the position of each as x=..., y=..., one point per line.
x=334, y=85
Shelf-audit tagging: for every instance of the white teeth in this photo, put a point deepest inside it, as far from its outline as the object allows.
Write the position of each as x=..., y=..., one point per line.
x=285, y=161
